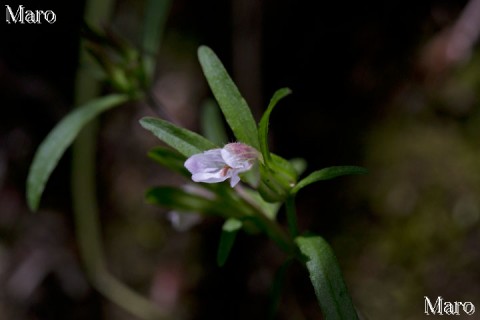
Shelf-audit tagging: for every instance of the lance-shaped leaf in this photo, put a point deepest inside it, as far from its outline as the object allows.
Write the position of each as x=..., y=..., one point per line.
x=170, y=159
x=183, y=140
x=233, y=105
x=227, y=239
x=58, y=140
x=327, y=279
x=326, y=174
x=264, y=122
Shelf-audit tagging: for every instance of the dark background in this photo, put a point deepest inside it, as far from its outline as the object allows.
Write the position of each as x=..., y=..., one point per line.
x=372, y=86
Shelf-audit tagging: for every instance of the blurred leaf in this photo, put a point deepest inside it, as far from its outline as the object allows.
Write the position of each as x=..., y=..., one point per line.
x=233, y=105
x=182, y=200
x=227, y=239
x=178, y=199
x=299, y=164
x=268, y=208
x=252, y=176
x=212, y=123
x=59, y=139
x=170, y=159
x=184, y=141
x=264, y=123
x=156, y=13
x=276, y=291
x=326, y=278
x=326, y=174
x=283, y=165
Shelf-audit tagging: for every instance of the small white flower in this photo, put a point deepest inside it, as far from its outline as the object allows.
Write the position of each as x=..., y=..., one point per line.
x=218, y=165
x=183, y=221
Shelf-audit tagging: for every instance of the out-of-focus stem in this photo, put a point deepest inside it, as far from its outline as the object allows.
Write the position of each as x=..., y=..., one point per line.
x=84, y=200
x=89, y=231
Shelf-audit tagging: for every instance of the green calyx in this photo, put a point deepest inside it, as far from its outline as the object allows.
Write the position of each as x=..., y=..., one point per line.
x=277, y=179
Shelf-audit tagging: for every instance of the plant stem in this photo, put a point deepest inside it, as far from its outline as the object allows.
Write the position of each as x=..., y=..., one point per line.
x=88, y=231
x=276, y=233
x=87, y=222
x=273, y=230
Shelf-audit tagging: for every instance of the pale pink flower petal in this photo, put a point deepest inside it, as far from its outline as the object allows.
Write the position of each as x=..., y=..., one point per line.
x=208, y=161
x=218, y=165
x=208, y=166
x=211, y=177
x=239, y=156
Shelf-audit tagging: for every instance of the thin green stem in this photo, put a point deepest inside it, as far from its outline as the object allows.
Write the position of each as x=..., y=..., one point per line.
x=87, y=222
x=84, y=201
x=89, y=231
x=273, y=230
x=291, y=216
x=276, y=233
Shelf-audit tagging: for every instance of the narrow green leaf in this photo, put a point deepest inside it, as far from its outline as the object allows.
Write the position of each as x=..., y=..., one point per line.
x=184, y=141
x=327, y=279
x=326, y=174
x=58, y=140
x=212, y=123
x=227, y=239
x=170, y=159
x=264, y=122
x=233, y=105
